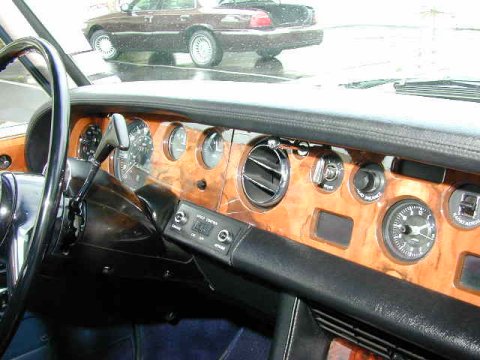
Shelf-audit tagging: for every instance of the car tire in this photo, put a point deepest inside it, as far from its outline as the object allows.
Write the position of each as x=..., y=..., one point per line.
x=268, y=53
x=102, y=43
x=204, y=49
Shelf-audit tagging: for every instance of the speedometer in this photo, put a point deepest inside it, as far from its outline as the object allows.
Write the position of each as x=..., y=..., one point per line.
x=133, y=166
x=409, y=230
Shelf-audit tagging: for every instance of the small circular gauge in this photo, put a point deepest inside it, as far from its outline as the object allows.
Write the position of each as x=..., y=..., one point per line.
x=212, y=149
x=409, y=230
x=177, y=142
x=89, y=141
x=132, y=166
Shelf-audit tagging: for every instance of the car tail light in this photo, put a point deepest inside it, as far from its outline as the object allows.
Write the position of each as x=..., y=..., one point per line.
x=260, y=19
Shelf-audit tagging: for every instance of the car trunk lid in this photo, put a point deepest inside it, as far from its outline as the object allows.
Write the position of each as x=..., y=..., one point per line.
x=282, y=15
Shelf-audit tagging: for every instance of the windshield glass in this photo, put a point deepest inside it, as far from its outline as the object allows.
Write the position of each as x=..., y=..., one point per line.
x=360, y=44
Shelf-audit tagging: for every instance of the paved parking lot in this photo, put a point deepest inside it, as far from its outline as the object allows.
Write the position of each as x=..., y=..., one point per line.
x=347, y=54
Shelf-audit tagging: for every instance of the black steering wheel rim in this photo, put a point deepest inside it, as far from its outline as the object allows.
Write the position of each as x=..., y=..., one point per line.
x=52, y=191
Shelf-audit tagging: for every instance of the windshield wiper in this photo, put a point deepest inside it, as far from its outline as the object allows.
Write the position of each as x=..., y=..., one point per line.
x=441, y=82
x=367, y=84
x=468, y=90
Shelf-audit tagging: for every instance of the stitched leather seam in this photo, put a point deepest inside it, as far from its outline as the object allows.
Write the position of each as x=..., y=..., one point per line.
x=291, y=329
x=336, y=127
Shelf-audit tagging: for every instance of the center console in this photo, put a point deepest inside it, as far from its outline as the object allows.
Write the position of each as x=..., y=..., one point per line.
x=205, y=231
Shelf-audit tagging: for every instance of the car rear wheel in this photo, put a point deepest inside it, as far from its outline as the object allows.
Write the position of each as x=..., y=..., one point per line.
x=268, y=53
x=204, y=49
x=101, y=42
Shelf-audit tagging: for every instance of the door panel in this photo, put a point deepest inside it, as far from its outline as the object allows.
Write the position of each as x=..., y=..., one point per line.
x=169, y=24
x=133, y=34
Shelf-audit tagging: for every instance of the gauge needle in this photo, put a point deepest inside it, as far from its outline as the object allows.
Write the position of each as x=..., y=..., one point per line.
x=142, y=168
x=425, y=236
x=415, y=230
x=128, y=170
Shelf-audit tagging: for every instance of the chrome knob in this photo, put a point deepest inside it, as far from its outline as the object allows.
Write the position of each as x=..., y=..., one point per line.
x=224, y=236
x=180, y=218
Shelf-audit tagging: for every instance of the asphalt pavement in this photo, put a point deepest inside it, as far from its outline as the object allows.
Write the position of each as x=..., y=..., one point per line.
x=347, y=54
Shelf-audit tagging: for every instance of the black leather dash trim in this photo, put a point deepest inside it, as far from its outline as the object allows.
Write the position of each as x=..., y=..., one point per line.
x=297, y=336
x=434, y=131
x=429, y=320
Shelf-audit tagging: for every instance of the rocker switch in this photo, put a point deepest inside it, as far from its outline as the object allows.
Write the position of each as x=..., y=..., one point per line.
x=468, y=205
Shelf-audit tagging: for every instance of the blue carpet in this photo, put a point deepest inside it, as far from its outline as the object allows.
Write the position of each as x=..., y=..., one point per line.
x=198, y=339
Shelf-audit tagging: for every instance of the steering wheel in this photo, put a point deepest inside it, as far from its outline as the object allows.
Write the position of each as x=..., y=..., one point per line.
x=29, y=204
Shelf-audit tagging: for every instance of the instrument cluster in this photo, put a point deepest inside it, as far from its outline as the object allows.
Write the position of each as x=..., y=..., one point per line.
x=408, y=227
x=134, y=166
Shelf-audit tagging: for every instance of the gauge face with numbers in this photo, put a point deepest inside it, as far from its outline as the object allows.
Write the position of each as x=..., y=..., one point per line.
x=132, y=166
x=177, y=142
x=212, y=149
x=89, y=141
x=409, y=230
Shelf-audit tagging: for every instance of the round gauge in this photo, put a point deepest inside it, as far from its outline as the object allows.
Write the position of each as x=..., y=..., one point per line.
x=409, y=230
x=132, y=166
x=89, y=141
x=177, y=142
x=212, y=149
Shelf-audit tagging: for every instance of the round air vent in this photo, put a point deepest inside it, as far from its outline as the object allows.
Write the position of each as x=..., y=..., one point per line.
x=265, y=175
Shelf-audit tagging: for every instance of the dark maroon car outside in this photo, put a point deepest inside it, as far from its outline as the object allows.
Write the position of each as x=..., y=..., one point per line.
x=205, y=29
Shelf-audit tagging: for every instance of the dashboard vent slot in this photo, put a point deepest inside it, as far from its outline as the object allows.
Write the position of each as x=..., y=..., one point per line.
x=265, y=175
x=367, y=337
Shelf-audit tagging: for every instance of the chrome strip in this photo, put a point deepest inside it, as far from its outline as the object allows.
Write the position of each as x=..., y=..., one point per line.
x=266, y=32
x=123, y=33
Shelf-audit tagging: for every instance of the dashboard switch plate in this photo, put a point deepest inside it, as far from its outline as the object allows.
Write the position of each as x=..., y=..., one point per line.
x=205, y=230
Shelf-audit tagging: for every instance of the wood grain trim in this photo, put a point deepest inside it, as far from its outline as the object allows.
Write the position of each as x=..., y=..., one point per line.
x=15, y=148
x=180, y=176
x=294, y=216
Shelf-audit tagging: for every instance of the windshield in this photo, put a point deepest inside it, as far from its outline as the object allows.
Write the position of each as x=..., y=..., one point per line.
x=321, y=43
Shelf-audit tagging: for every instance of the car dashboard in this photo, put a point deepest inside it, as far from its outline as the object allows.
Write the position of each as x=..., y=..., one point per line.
x=349, y=203
x=378, y=233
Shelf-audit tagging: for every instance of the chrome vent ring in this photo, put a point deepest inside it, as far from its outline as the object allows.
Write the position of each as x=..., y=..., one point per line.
x=265, y=175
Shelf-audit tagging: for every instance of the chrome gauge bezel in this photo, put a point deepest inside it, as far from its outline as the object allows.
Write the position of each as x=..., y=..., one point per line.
x=168, y=142
x=116, y=166
x=203, y=149
x=391, y=220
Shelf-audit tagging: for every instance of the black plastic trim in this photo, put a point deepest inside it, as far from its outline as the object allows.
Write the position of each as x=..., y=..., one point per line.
x=429, y=320
x=297, y=336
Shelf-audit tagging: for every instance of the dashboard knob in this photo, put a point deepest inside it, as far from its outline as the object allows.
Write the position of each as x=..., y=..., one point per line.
x=366, y=181
x=224, y=236
x=331, y=172
x=180, y=218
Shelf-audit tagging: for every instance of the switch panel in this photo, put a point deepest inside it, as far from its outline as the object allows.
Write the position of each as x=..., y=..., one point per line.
x=204, y=230
x=328, y=172
x=463, y=206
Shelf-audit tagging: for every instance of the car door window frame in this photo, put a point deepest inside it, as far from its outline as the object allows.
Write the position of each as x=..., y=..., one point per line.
x=162, y=7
